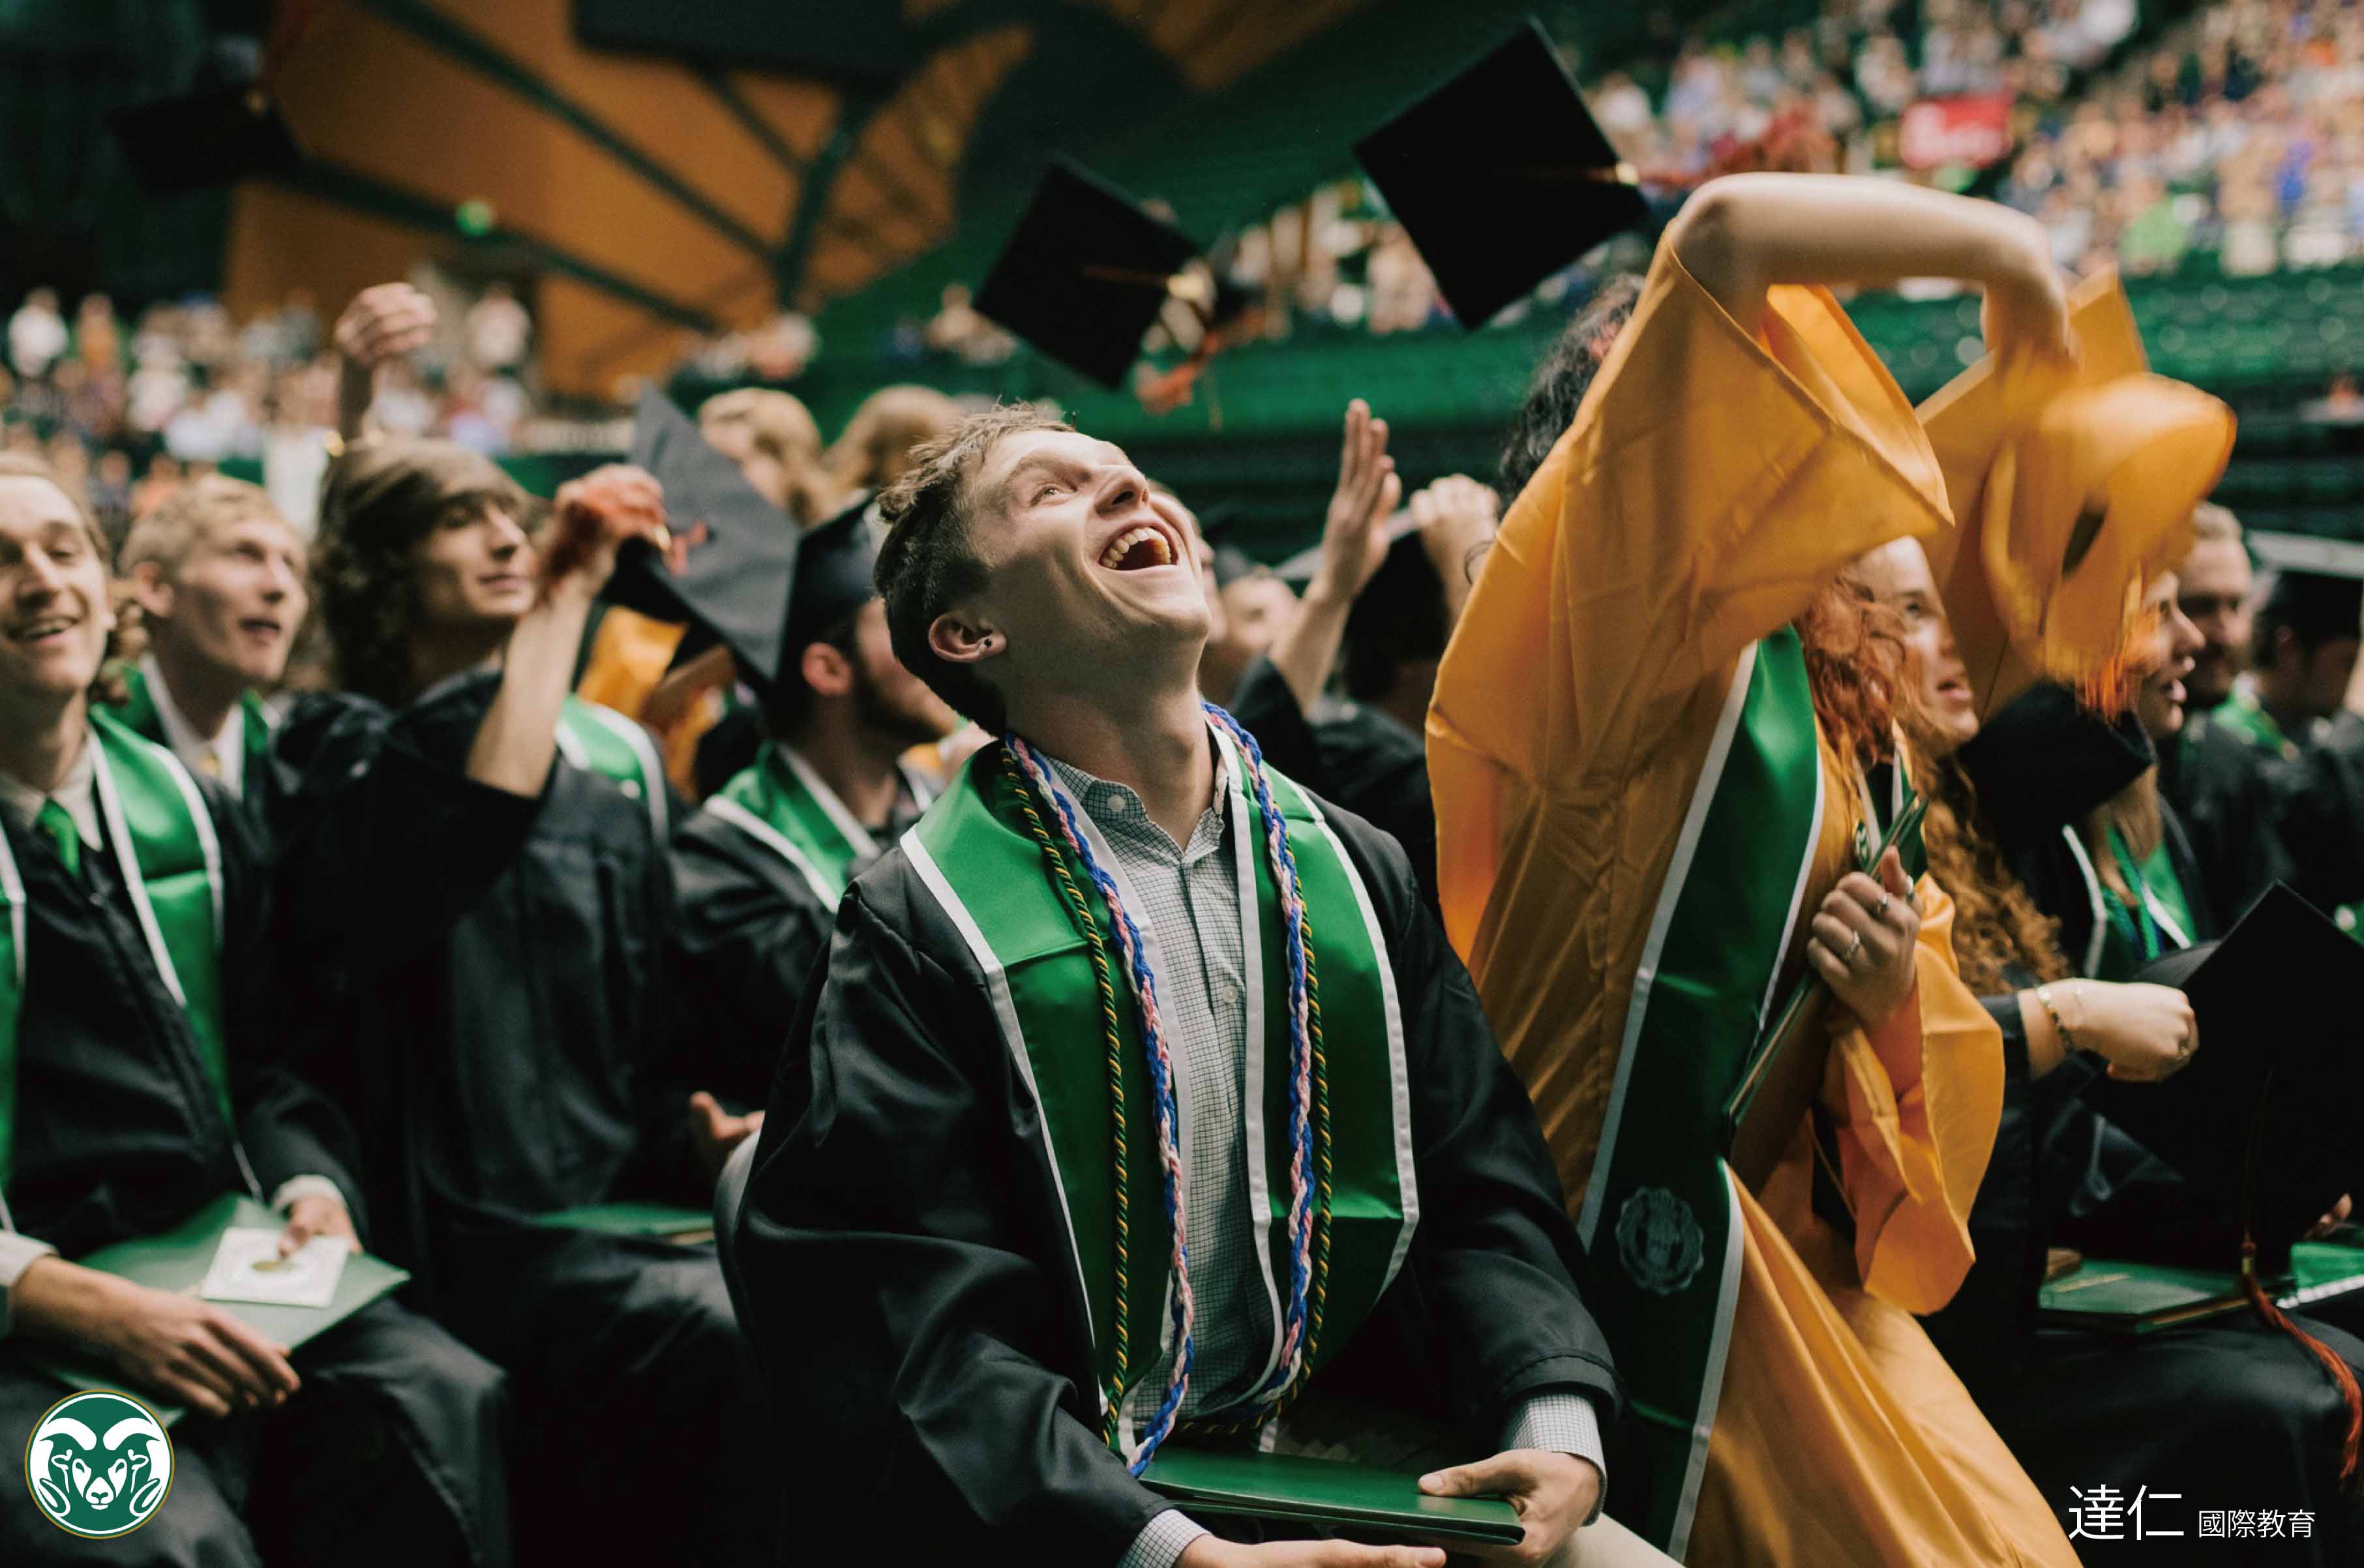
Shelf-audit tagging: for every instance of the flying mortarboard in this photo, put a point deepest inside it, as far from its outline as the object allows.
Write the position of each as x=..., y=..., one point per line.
x=735, y=554
x=1086, y=272
x=2261, y=1122
x=1501, y=176
x=215, y=137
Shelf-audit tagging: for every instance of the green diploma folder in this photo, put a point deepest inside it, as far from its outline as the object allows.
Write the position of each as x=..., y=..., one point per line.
x=177, y=1260
x=1378, y=1505
x=2141, y=1298
x=662, y=1221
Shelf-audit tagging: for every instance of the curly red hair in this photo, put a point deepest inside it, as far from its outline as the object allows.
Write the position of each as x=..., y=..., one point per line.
x=1855, y=665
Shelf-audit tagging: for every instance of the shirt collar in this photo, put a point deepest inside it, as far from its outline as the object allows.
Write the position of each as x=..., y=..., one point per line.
x=77, y=792
x=1105, y=800
x=226, y=749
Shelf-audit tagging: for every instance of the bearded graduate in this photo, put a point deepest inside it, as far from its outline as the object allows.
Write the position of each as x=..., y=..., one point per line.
x=759, y=869
x=1141, y=1102
x=1658, y=750
x=475, y=895
x=139, y=1080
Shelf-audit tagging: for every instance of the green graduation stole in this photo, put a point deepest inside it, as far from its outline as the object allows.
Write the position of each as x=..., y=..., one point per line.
x=1659, y=1218
x=138, y=712
x=985, y=864
x=166, y=852
x=784, y=805
x=601, y=740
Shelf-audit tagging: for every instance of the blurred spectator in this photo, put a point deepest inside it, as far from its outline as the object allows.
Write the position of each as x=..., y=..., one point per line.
x=37, y=334
x=497, y=330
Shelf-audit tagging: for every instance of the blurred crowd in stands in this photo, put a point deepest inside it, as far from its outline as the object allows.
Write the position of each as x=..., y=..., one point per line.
x=130, y=408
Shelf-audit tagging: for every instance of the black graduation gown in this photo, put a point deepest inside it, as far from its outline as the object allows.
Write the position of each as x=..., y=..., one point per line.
x=2230, y=807
x=749, y=936
x=2319, y=802
x=2224, y=1409
x=916, y=1304
x=1359, y=757
x=485, y=991
x=118, y=1134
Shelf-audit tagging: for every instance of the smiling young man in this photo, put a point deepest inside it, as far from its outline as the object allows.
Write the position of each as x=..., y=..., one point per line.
x=138, y=1081
x=219, y=576
x=477, y=910
x=1092, y=1139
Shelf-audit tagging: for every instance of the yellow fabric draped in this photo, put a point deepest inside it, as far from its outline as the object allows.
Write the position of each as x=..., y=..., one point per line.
x=2074, y=485
x=1712, y=484
x=629, y=654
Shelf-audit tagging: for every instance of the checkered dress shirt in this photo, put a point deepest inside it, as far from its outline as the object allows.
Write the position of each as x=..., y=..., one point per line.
x=1188, y=905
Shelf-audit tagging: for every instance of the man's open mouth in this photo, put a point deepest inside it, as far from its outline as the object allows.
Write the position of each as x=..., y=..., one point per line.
x=1137, y=548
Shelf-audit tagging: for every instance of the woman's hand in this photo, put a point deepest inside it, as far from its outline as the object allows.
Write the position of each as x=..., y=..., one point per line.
x=2146, y=1032
x=1863, y=941
x=2026, y=305
x=593, y=515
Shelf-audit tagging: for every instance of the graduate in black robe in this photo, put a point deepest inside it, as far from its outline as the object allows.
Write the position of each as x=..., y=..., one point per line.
x=913, y=1286
x=759, y=870
x=379, y=1441
x=481, y=926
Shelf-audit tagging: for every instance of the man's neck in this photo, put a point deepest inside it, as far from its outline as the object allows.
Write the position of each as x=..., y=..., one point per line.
x=39, y=738
x=1155, y=746
x=2290, y=718
x=201, y=692
x=858, y=767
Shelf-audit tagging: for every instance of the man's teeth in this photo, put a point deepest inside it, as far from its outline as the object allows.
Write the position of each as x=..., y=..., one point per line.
x=1123, y=544
x=34, y=630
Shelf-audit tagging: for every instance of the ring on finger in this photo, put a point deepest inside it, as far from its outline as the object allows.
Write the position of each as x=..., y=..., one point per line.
x=1880, y=910
x=1854, y=948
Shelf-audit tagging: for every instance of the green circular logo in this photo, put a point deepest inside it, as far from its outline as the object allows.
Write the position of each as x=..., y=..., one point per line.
x=99, y=1464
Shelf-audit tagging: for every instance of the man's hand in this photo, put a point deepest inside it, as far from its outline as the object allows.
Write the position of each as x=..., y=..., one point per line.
x=317, y=1215
x=593, y=517
x=1354, y=535
x=1863, y=941
x=1555, y=1494
x=1208, y=1552
x=190, y=1352
x=715, y=1132
x=384, y=323
x=381, y=324
x=2332, y=1221
x=1456, y=516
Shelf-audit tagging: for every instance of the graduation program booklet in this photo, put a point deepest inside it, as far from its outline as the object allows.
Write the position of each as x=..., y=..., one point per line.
x=1382, y=1506
x=182, y=1261
x=2141, y=1298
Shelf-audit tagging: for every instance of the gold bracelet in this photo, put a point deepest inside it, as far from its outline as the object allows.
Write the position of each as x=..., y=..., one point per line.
x=2068, y=1037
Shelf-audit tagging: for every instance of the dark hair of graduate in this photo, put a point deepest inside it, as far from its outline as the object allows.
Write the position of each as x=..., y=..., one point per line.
x=929, y=560
x=1561, y=381
x=128, y=640
x=379, y=499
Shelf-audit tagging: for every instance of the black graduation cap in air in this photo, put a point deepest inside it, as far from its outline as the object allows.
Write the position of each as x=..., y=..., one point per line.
x=213, y=136
x=1086, y=272
x=734, y=553
x=2261, y=1120
x=1501, y=176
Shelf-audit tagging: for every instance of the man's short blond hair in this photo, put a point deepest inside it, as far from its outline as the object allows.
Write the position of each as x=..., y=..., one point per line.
x=2212, y=524
x=195, y=511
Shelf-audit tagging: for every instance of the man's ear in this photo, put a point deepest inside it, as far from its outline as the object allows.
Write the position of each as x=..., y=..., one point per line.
x=958, y=639
x=825, y=670
x=150, y=591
